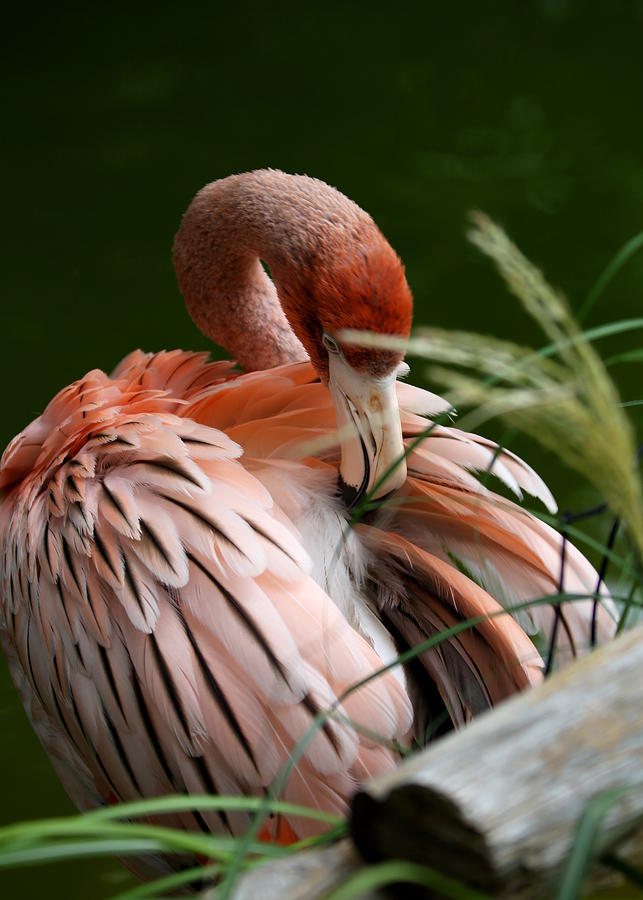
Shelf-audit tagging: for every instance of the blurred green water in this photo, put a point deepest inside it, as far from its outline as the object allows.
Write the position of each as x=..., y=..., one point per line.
x=112, y=119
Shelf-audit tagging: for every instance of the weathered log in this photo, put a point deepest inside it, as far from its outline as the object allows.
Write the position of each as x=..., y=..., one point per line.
x=498, y=803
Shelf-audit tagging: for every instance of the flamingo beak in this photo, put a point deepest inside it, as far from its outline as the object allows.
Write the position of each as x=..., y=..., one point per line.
x=370, y=432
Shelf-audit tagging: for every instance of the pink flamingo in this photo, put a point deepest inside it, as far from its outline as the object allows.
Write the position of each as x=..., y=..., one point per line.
x=180, y=591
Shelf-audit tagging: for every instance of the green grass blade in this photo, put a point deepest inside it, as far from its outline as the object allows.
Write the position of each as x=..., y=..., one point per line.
x=579, y=535
x=628, y=357
x=623, y=326
x=47, y=853
x=160, y=886
x=467, y=625
x=627, y=606
x=583, y=850
x=627, y=251
x=187, y=803
x=399, y=871
x=63, y=832
x=319, y=840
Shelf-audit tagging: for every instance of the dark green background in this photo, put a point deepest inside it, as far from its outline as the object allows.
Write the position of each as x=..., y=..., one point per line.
x=532, y=111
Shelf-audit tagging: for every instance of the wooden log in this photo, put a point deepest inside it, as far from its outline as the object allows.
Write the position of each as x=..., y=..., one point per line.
x=498, y=803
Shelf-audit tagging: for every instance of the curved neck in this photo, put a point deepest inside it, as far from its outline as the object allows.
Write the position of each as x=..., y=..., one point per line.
x=217, y=253
x=327, y=259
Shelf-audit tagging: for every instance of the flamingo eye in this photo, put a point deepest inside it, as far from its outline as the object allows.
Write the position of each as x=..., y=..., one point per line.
x=330, y=344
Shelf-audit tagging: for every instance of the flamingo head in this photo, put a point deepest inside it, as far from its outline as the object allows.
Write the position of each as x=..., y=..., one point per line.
x=358, y=284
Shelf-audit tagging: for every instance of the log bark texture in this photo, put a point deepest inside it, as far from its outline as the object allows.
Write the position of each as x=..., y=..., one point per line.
x=498, y=803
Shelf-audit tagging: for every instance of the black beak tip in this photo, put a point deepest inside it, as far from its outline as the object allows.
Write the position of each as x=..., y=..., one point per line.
x=348, y=493
x=351, y=495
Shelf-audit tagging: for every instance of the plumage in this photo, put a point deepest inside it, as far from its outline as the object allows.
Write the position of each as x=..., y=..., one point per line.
x=182, y=593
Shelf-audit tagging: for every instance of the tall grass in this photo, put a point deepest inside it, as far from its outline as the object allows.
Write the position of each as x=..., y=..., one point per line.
x=560, y=395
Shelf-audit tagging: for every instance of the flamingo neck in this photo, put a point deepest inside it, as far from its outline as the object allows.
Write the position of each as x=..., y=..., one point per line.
x=217, y=251
x=330, y=268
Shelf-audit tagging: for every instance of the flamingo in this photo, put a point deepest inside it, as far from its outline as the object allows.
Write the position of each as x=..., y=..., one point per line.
x=181, y=592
